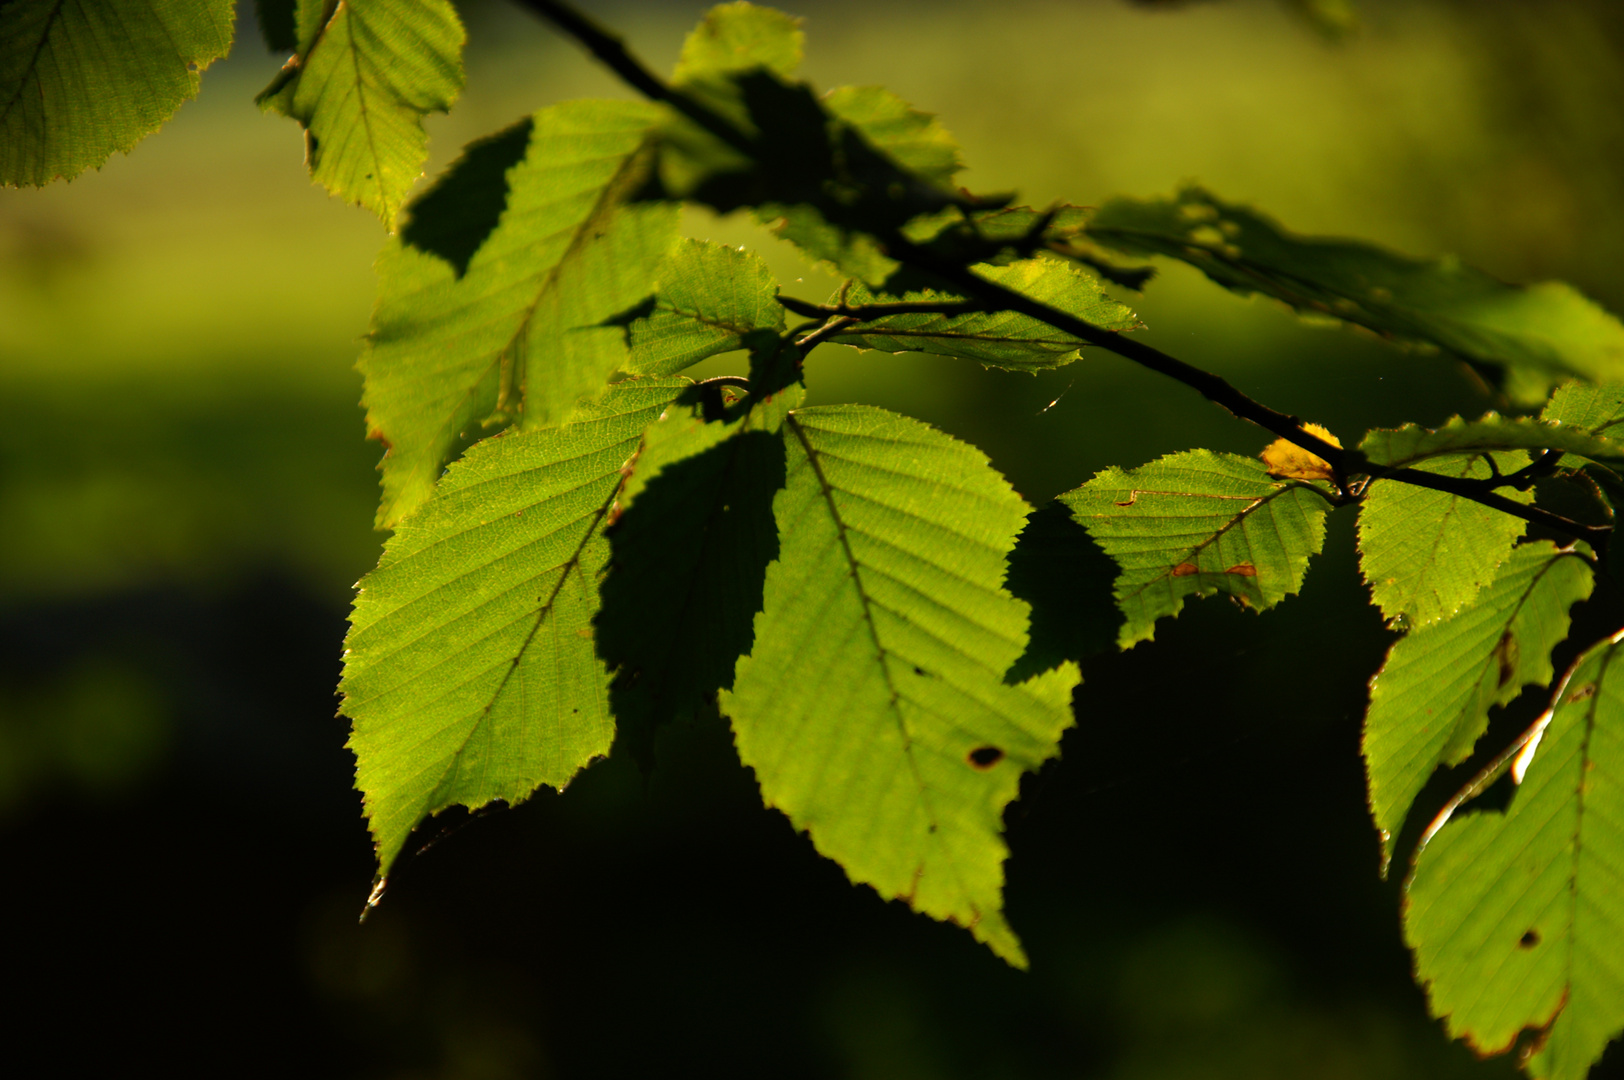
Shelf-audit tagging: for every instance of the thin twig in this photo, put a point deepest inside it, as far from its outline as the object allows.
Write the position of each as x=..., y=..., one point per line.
x=992, y=296
x=868, y=312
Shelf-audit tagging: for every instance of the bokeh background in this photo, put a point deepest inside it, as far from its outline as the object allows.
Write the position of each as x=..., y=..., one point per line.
x=186, y=499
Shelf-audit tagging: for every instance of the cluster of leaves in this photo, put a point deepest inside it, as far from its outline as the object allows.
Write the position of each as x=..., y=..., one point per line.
x=586, y=544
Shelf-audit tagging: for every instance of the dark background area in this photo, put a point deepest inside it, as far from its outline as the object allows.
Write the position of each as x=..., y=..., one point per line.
x=185, y=501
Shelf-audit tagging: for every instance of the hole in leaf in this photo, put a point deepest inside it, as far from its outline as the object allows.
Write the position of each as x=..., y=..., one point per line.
x=1529, y=940
x=985, y=757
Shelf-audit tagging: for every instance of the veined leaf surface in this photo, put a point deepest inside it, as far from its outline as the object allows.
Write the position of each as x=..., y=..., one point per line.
x=81, y=80
x=531, y=325
x=470, y=671
x=1597, y=407
x=710, y=298
x=1430, y=701
x=873, y=706
x=1516, y=916
x=1539, y=333
x=1426, y=553
x=1003, y=339
x=1199, y=524
x=366, y=74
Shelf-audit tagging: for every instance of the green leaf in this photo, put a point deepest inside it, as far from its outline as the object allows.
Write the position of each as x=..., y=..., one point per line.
x=710, y=299
x=915, y=140
x=1003, y=339
x=1598, y=408
x=690, y=554
x=827, y=180
x=1426, y=553
x=1199, y=523
x=537, y=320
x=1410, y=444
x=1539, y=332
x=1516, y=917
x=1430, y=701
x=366, y=73
x=81, y=80
x=470, y=671
x=873, y=707
x=740, y=37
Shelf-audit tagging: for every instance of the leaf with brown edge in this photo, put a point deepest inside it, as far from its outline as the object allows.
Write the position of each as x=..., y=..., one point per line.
x=1199, y=524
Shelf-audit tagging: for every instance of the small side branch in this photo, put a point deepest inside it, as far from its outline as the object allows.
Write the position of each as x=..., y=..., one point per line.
x=869, y=312
x=985, y=295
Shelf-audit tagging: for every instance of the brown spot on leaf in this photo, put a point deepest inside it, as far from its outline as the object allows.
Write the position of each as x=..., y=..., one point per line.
x=1505, y=654
x=1244, y=569
x=1588, y=690
x=1185, y=569
x=985, y=757
x=1528, y=940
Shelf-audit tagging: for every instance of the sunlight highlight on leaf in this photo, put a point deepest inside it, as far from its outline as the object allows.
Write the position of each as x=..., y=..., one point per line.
x=470, y=670
x=1430, y=701
x=1516, y=916
x=1199, y=524
x=366, y=73
x=81, y=81
x=873, y=707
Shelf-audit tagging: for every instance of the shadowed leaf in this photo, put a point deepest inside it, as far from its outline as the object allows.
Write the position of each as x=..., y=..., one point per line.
x=1537, y=333
x=1059, y=570
x=1002, y=339
x=455, y=216
x=689, y=556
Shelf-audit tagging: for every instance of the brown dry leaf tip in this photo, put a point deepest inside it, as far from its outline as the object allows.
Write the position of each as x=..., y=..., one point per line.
x=1288, y=461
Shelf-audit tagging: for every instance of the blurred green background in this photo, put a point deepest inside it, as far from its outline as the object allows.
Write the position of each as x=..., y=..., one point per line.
x=186, y=499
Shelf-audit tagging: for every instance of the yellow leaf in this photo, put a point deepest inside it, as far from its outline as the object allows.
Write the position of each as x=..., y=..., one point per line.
x=1287, y=460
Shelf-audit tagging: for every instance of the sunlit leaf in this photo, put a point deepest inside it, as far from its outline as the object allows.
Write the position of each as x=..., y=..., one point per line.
x=365, y=75
x=709, y=299
x=537, y=320
x=915, y=140
x=873, y=706
x=1003, y=339
x=1430, y=701
x=1516, y=916
x=1426, y=553
x=1596, y=407
x=79, y=81
x=470, y=670
x=1199, y=524
x=1539, y=332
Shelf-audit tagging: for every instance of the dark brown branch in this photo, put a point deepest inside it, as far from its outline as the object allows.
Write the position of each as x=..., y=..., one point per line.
x=612, y=52
x=866, y=312
x=989, y=295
